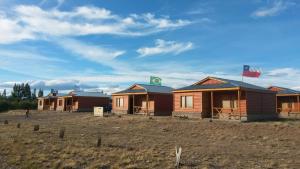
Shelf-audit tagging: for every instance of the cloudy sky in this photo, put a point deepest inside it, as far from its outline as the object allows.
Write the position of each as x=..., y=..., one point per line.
x=109, y=45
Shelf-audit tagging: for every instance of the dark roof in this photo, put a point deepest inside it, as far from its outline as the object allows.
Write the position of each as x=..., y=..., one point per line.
x=227, y=84
x=88, y=94
x=51, y=96
x=287, y=90
x=147, y=89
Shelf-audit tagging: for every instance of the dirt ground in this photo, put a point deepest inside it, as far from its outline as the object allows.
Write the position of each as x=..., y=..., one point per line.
x=143, y=142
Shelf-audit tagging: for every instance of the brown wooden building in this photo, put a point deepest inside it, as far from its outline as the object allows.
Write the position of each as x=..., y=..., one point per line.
x=48, y=102
x=287, y=101
x=219, y=98
x=143, y=99
x=82, y=101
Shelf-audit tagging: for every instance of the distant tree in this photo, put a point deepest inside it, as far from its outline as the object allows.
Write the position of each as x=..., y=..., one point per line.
x=22, y=91
x=4, y=93
x=27, y=91
x=33, y=94
x=14, y=93
x=40, y=93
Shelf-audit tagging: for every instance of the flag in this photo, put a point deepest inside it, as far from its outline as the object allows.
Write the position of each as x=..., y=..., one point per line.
x=250, y=73
x=155, y=80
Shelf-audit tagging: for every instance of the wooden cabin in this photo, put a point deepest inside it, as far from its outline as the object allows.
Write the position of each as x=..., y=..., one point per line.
x=287, y=101
x=79, y=101
x=48, y=102
x=219, y=98
x=143, y=99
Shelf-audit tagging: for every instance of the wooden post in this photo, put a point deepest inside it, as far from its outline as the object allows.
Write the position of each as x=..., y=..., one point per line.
x=239, y=102
x=133, y=111
x=212, y=103
x=298, y=103
x=147, y=99
x=276, y=110
x=72, y=104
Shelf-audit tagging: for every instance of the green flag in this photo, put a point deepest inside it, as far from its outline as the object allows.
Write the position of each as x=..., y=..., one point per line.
x=155, y=80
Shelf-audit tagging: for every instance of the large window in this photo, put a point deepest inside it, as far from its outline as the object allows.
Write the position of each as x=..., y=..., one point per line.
x=119, y=102
x=186, y=102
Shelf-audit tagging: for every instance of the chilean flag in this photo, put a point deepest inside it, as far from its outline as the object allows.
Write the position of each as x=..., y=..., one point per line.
x=250, y=73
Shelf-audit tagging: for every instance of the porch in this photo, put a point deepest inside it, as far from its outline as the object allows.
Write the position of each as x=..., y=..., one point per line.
x=223, y=104
x=142, y=104
x=71, y=104
x=288, y=104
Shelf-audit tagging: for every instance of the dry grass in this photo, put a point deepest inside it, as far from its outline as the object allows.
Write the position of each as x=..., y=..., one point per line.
x=140, y=142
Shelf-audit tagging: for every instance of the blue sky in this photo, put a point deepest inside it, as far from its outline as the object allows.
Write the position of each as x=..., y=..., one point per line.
x=109, y=45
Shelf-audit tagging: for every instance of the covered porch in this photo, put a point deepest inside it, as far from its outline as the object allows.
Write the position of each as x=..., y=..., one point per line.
x=70, y=103
x=224, y=104
x=288, y=104
x=142, y=104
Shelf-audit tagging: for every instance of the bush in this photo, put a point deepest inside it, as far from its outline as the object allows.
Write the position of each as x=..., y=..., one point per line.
x=4, y=105
x=12, y=104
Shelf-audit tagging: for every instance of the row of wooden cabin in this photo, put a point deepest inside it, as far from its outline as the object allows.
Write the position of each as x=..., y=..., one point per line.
x=211, y=97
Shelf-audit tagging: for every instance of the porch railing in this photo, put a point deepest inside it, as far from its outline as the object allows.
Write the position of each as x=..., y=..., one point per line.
x=289, y=111
x=220, y=112
x=141, y=110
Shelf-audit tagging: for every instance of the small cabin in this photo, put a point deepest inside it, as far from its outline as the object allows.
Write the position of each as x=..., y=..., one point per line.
x=143, y=99
x=219, y=98
x=48, y=102
x=287, y=101
x=81, y=101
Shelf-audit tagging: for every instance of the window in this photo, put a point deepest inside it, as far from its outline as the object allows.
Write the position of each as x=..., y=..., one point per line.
x=41, y=102
x=186, y=101
x=119, y=102
x=144, y=104
x=227, y=104
x=60, y=102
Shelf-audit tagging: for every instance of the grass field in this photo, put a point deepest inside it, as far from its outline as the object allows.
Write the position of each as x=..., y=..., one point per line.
x=143, y=142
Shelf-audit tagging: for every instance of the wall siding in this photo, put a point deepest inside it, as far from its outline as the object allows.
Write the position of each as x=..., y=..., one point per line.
x=120, y=110
x=88, y=103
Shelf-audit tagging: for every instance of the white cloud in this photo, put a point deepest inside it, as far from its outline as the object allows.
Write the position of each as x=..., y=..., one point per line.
x=32, y=22
x=165, y=47
x=11, y=31
x=284, y=72
x=90, y=52
x=275, y=8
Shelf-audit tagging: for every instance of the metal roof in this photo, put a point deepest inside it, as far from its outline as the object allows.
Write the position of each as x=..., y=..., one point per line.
x=286, y=90
x=147, y=89
x=57, y=95
x=88, y=94
x=227, y=83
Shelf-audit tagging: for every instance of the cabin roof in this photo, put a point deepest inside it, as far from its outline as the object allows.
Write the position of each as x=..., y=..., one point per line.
x=284, y=90
x=225, y=83
x=49, y=96
x=88, y=94
x=146, y=88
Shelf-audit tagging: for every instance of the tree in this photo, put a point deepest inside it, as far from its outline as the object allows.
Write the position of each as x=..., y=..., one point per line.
x=34, y=94
x=4, y=93
x=14, y=93
x=40, y=93
x=22, y=91
x=27, y=91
